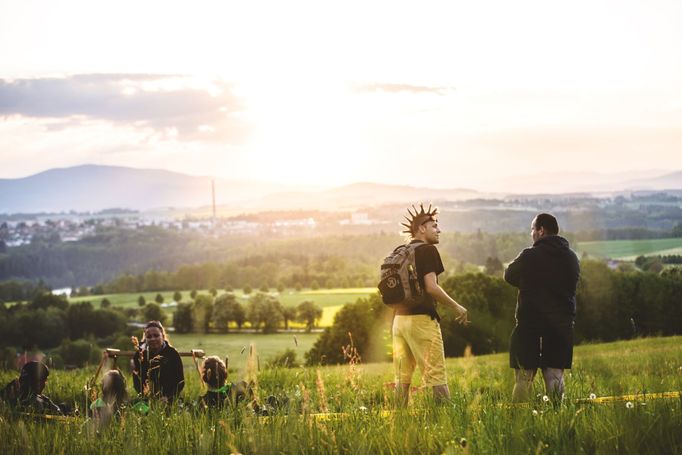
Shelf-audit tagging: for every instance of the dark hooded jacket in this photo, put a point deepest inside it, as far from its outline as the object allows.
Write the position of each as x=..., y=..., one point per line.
x=163, y=372
x=547, y=275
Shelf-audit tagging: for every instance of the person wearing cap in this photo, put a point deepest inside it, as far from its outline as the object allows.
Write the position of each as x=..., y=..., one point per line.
x=26, y=392
x=157, y=366
x=417, y=338
x=546, y=275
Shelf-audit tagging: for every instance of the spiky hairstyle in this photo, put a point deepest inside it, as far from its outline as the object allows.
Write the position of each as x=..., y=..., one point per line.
x=418, y=217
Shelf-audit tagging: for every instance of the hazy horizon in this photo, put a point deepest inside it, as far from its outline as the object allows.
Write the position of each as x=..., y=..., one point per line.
x=446, y=95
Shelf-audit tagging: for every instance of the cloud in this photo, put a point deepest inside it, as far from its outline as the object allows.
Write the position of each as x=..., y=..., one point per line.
x=401, y=88
x=190, y=108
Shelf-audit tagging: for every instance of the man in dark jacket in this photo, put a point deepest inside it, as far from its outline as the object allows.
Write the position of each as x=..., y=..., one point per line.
x=547, y=275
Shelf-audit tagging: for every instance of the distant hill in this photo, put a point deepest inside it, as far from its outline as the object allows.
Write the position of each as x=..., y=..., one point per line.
x=93, y=188
x=587, y=182
x=671, y=181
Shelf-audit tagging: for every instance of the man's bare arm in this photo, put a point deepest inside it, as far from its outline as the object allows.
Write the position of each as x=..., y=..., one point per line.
x=437, y=292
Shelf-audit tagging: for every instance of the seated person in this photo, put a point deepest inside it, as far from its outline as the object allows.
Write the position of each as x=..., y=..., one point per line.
x=157, y=367
x=114, y=397
x=26, y=391
x=214, y=375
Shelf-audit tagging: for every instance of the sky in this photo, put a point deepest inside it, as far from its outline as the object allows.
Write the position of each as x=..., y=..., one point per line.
x=438, y=94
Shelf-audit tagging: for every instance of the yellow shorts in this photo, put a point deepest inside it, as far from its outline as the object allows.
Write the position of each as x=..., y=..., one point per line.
x=417, y=341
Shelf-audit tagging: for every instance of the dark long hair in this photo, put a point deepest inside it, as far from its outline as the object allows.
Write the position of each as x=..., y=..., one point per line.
x=32, y=378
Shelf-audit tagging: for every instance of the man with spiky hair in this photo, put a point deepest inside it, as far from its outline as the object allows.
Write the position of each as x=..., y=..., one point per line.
x=417, y=338
x=547, y=276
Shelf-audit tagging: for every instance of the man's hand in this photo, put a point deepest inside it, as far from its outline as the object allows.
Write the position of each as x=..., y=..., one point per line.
x=437, y=292
x=462, y=315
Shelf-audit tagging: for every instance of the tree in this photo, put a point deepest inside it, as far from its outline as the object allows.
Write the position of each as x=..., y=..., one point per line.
x=247, y=290
x=105, y=303
x=238, y=314
x=153, y=312
x=49, y=300
x=141, y=301
x=308, y=312
x=356, y=326
x=223, y=311
x=78, y=317
x=42, y=328
x=264, y=310
x=193, y=294
x=493, y=266
x=107, y=322
x=289, y=314
x=177, y=296
x=182, y=318
x=213, y=292
x=158, y=299
x=677, y=230
x=202, y=310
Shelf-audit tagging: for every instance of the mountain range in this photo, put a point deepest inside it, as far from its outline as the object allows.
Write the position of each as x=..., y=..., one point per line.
x=96, y=187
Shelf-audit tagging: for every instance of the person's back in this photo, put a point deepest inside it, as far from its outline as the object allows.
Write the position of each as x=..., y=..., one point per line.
x=546, y=276
x=114, y=396
x=214, y=375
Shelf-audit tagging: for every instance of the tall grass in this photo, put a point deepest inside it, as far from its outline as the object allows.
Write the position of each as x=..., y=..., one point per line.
x=478, y=420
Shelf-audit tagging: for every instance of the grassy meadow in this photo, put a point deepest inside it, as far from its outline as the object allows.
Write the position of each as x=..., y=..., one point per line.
x=478, y=420
x=628, y=250
x=237, y=346
x=330, y=300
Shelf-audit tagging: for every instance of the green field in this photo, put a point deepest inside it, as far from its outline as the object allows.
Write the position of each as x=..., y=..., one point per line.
x=479, y=416
x=330, y=300
x=628, y=250
x=237, y=346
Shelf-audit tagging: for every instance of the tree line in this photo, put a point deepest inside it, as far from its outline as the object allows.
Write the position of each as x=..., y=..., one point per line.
x=263, y=312
x=611, y=305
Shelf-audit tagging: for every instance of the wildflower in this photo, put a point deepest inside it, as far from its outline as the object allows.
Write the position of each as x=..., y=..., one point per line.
x=535, y=413
x=629, y=405
x=463, y=442
x=363, y=408
x=592, y=396
x=545, y=398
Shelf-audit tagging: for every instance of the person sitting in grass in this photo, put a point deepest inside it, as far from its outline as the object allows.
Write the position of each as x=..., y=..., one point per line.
x=26, y=392
x=157, y=367
x=214, y=375
x=114, y=396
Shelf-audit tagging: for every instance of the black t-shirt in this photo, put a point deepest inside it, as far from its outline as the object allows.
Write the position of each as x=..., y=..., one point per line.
x=428, y=260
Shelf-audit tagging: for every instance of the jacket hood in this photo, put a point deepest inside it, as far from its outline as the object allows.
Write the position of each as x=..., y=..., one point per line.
x=552, y=241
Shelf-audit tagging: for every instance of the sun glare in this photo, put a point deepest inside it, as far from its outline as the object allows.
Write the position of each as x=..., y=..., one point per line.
x=301, y=127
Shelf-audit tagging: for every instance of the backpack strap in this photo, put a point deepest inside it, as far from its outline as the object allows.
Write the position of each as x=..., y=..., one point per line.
x=414, y=246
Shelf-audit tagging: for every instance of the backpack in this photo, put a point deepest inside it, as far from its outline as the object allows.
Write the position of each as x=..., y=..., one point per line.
x=399, y=283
